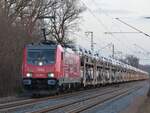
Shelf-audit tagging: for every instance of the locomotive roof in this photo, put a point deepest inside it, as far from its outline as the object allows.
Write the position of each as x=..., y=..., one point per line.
x=40, y=46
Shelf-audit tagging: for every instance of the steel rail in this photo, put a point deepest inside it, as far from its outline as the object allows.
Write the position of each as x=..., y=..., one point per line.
x=101, y=102
x=62, y=105
x=24, y=103
x=77, y=110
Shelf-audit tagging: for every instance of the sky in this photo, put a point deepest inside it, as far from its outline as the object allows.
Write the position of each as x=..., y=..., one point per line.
x=99, y=18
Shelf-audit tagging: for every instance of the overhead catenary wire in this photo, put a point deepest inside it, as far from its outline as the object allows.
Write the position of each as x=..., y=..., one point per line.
x=140, y=31
x=78, y=35
x=91, y=12
x=111, y=33
x=105, y=27
x=126, y=45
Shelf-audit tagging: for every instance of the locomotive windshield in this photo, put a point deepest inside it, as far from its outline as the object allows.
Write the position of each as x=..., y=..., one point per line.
x=41, y=56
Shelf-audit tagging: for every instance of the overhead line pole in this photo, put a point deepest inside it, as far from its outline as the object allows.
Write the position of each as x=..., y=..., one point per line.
x=92, y=39
x=113, y=51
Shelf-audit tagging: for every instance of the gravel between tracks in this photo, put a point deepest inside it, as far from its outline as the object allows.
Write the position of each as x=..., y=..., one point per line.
x=11, y=99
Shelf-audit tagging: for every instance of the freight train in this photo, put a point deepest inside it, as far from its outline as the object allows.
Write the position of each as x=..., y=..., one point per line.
x=51, y=67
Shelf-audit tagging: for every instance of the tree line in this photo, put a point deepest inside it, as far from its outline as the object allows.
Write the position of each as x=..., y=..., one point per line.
x=21, y=22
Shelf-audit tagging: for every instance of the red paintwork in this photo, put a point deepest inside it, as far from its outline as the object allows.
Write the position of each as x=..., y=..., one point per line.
x=68, y=66
x=72, y=65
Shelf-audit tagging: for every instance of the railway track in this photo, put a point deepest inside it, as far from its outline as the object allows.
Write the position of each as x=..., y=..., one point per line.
x=69, y=100
x=98, y=102
x=80, y=105
x=23, y=103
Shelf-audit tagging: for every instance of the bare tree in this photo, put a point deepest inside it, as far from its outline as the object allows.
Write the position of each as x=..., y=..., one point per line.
x=132, y=60
x=25, y=12
x=66, y=15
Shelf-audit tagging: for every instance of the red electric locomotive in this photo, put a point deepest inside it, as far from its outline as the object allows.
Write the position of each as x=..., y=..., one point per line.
x=49, y=66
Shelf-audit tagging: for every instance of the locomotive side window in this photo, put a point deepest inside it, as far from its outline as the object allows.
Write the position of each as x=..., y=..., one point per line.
x=62, y=55
x=45, y=56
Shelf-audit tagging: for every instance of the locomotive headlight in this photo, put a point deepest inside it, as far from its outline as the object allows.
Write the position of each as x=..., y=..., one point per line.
x=40, y=63
x=29, y=74
x=50, y=75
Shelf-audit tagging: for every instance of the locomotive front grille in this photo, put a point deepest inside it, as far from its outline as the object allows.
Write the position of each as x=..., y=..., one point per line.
x=39, y=83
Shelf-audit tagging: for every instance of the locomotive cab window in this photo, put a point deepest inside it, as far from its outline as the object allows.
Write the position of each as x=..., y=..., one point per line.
x=41, y=56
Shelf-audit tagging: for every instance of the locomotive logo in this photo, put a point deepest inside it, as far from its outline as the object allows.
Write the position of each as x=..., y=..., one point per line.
x=41, y=69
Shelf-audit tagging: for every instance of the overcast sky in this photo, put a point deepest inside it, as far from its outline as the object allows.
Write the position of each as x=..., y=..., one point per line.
x=100, y=17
